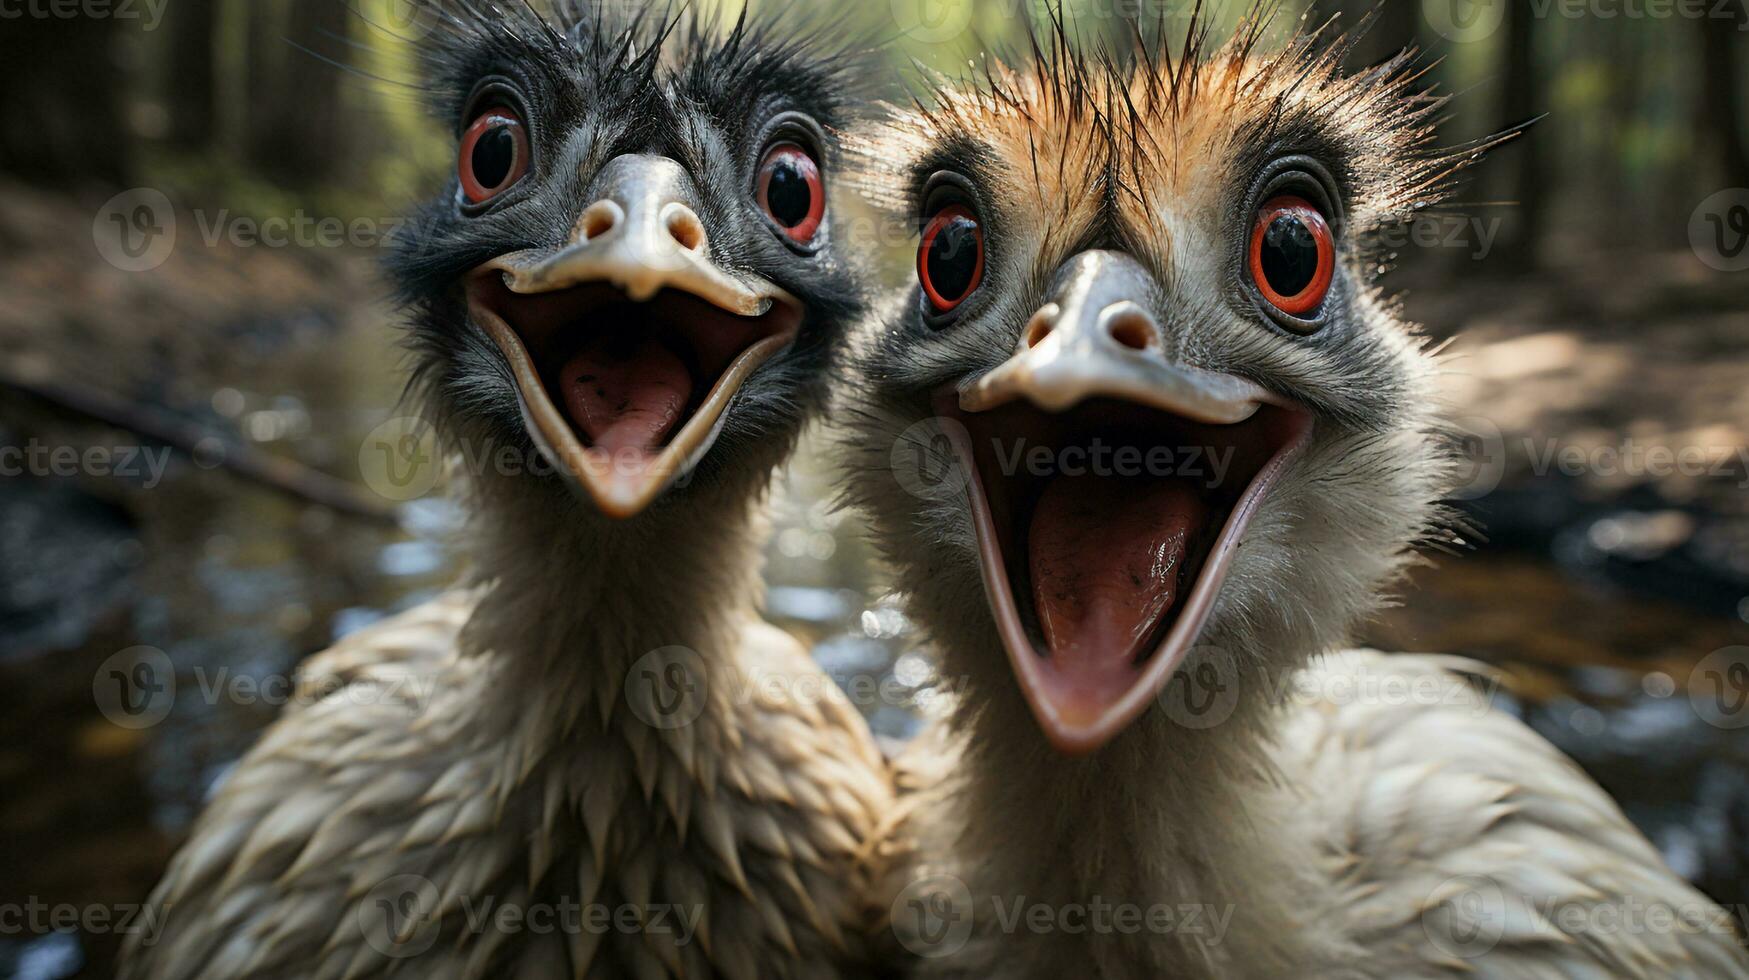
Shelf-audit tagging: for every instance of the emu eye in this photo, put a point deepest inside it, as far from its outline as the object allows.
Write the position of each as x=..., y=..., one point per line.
x=950, y=262
x=791, y=192
x=1292, y=255
x=494, y=154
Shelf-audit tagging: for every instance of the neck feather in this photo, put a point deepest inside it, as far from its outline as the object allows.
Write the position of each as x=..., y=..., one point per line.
x=571, y=601
x=1164, y=815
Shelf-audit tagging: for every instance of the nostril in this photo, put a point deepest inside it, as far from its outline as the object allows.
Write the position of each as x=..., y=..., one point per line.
x=600, y=218
x=1040, y=326
x=1133, y=330
x=686, y=229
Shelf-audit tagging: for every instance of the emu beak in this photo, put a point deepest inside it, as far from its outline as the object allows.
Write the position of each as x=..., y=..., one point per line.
x=628, y=343
x=1101, y=576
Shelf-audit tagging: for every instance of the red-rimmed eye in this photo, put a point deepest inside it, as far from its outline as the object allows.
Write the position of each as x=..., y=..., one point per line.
x=950, y=262
x=1292, y=255
x=494, y=154
x=791, y=191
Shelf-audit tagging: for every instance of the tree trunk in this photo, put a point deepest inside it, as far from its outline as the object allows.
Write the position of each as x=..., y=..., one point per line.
x=296, y=133
x=61, y=115
x=193, y=85
x=1720, y=123
x=1521, y=162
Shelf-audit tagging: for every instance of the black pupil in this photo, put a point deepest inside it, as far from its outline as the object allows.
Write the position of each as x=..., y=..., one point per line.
x=789, y=196
x=1290, y=256
x=953, y=258
x=494, y=156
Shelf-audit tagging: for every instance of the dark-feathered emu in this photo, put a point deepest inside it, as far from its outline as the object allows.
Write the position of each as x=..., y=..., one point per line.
x=595, y=761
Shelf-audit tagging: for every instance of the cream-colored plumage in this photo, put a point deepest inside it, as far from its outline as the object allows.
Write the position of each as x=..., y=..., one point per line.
x=1275, y=810
x=1402, y=837
x=429, y=758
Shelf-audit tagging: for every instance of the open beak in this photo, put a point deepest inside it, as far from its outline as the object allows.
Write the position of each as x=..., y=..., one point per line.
x=628, y=343
x=1111, y=488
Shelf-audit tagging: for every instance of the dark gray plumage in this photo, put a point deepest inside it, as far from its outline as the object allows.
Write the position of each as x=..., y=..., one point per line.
x=598, y=725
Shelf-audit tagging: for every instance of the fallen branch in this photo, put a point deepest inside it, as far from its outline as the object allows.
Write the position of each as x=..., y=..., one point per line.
x=206, y=446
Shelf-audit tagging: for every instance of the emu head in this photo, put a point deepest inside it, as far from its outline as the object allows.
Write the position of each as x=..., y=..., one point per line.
x=1144, y=415
x=634, y=279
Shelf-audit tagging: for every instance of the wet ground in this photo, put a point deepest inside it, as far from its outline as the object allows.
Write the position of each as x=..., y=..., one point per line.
x=1604, y=596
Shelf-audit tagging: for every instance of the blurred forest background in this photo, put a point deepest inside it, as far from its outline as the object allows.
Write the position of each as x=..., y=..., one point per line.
x=1592, y=279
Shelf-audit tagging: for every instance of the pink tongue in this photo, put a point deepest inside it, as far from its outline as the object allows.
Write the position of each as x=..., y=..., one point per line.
x=1107, y=557
x=625, y=398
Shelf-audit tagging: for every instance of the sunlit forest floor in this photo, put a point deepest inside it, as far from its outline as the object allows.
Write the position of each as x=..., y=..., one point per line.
x=1597, y=592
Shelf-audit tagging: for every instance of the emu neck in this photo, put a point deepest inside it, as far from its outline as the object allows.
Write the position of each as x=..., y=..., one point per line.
x=1163, y=816
x=571, y=602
